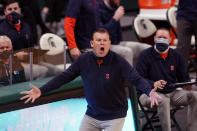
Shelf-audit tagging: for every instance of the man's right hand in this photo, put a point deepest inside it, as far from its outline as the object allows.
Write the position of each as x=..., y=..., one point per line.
x=31, y=95
x=119, y=13
x=75, y=52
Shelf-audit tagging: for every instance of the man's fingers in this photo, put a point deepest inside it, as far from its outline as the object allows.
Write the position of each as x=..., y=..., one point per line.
x=154, y=98
x=27, y=100
x=33, y=99
x=158, y=96
x=156, y=102
x=151, y=104
x=24, y=92
x=24, y=97
x=161, y=86
x=155, y=89
x=32, y=86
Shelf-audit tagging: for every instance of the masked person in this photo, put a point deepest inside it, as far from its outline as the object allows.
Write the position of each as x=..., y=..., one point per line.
x=163, y=66
x=103, y=73
x=14, y=27
x=18, y=74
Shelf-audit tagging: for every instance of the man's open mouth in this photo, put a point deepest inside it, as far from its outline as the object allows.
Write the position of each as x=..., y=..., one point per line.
x=102, y=48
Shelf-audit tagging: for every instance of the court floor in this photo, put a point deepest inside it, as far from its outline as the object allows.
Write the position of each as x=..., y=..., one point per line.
x=63, y=115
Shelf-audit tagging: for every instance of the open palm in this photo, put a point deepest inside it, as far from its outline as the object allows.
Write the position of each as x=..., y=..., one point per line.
x=31, y=95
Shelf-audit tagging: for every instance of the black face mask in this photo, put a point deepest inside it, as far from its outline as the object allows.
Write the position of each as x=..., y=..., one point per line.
x=13, y=18
x=161, y=45
x=5, y=54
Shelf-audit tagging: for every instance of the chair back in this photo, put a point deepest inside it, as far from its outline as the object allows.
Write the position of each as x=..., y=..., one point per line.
x=53, y=43
x=171, y=16
x=171, y=19
x=144, y=27
x=144, y=30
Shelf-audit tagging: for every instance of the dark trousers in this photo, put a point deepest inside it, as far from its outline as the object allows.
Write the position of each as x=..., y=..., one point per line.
x=186, y=29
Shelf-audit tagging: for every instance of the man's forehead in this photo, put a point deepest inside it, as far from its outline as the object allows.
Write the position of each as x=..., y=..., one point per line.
x=101, y=35
x=5, y=43
x=162, y=31
x=15, y=4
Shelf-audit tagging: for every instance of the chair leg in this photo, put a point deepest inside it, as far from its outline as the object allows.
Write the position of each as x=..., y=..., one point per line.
x=149, y=122
x=174, y=121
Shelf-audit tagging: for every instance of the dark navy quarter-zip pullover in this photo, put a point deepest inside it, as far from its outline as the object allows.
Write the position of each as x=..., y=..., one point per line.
x=105, y=93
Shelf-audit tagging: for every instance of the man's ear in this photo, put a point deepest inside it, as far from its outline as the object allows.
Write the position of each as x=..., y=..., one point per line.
x=91, y=43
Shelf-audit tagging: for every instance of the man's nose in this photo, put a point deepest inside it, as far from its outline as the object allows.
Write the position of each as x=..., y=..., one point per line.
x=102, y=42
x=5, y=49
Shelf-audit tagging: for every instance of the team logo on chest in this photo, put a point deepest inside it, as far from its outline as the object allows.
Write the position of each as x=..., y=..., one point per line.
x=171, y=67
x=26, y=36
x=107, y=76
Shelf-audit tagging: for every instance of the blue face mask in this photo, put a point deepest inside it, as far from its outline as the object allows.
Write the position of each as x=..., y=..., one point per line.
x=161, y=45
x=13, y=18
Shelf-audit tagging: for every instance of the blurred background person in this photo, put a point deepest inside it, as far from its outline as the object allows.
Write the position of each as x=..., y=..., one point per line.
x=14, y=27
x=186, y=26
x=54, y=11
x=32, y=15
x=80, y=22
x=18, y=74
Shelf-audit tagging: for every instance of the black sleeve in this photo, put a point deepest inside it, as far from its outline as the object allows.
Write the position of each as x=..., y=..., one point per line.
x=130, y=74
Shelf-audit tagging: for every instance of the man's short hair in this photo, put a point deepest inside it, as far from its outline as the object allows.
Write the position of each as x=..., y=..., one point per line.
x=100, y=30
x=4, y=38
x=8, y=2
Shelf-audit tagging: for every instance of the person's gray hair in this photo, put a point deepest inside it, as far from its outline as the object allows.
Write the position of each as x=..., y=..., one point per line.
x=4, y=38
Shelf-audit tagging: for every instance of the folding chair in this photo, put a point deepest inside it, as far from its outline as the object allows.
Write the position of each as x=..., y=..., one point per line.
x=144, y=30
x=152, y=119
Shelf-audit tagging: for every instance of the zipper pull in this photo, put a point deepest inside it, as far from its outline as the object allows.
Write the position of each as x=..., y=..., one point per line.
x=99, y=62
